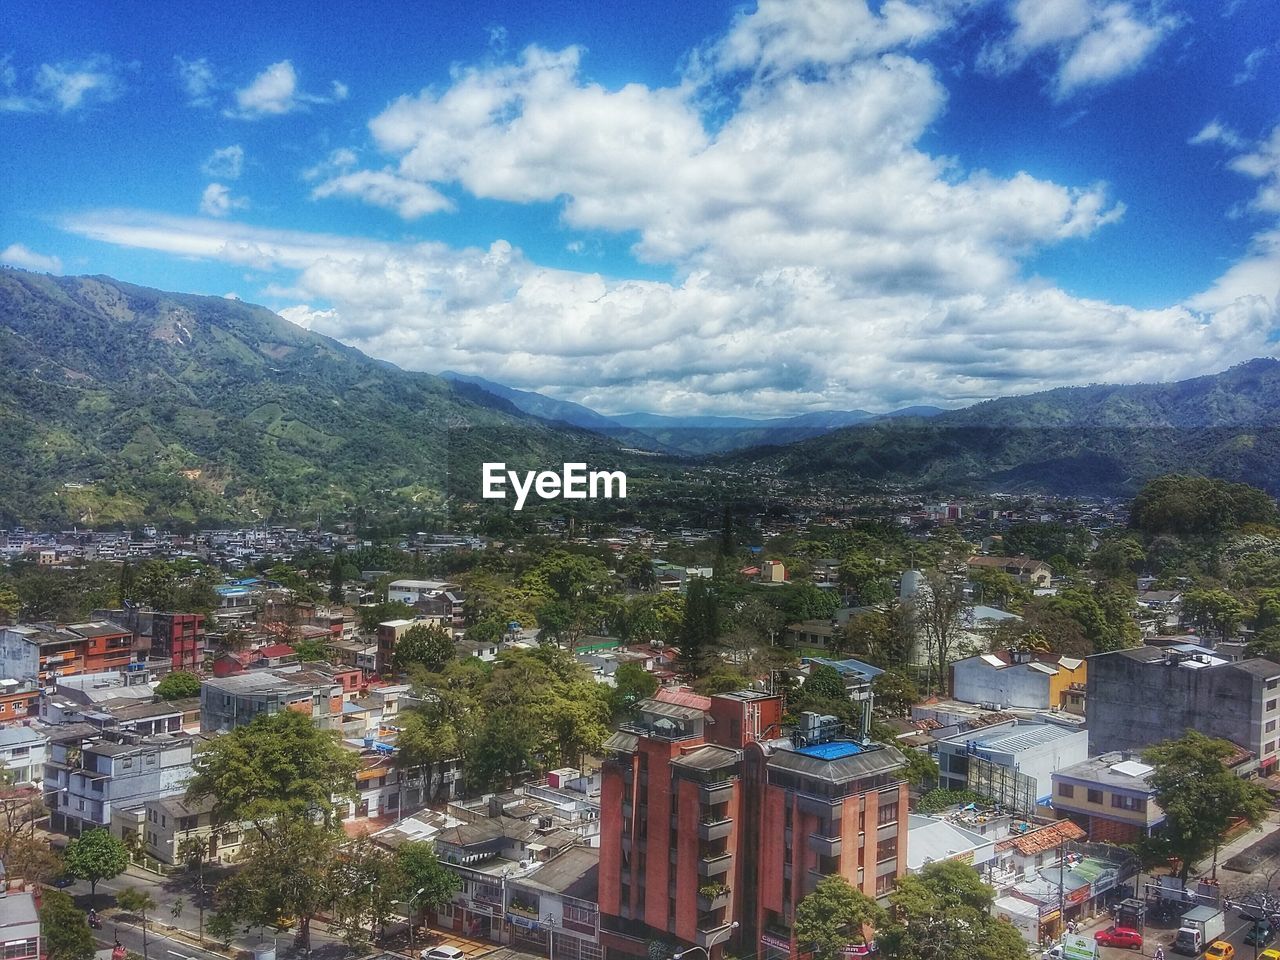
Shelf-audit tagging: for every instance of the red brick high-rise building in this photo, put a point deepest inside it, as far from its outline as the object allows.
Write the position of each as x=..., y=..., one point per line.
x=717, y=822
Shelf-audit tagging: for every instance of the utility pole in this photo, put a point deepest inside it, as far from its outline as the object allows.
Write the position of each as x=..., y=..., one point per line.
x=1062, y=874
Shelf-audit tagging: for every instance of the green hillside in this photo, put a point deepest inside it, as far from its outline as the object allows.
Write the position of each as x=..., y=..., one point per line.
x=1083, y=440
x=120, y=402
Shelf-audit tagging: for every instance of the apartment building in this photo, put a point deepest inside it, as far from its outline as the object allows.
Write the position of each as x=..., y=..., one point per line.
x=18, y=700
x=178, y=639
x=166, y=824
x=715, y=823
x=19, y=923
x=1141, y=696
x=1013, y=678
x=90, y=774
x=230, y=702
x=22, y=754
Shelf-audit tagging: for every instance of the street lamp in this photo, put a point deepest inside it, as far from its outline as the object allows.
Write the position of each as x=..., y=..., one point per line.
x=414, y=897
x=679, y=955
x=550, y=922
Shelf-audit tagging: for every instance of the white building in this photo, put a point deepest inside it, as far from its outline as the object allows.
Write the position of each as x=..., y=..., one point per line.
x=22, y=754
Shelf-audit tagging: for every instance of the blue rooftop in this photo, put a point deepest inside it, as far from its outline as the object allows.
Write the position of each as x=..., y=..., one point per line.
x=836, y=750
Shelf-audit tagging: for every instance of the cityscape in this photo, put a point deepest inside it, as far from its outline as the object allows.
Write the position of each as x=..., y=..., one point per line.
x=768, y=480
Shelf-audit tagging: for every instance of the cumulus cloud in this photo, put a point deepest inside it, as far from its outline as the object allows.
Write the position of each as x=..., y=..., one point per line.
x=64, y=87
x=275, y=92
x=383, y=188
x=218, y=201
x=1259, y=160
x=198, y=81
x=1093, y=42
x=819, y=254
x=17, y=255
x=225, y=163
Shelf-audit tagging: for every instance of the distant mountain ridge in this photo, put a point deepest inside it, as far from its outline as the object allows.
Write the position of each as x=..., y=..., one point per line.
x=1101, y=439
x=683, y=436
x=121, y=402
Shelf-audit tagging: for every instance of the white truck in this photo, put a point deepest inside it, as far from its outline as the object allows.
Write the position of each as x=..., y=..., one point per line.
x=1198, y=928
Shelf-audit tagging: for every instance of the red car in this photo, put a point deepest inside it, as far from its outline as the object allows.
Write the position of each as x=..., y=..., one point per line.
x=1119, y=937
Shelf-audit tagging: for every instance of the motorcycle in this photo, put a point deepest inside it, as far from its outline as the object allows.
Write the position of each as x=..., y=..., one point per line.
x=95, y=922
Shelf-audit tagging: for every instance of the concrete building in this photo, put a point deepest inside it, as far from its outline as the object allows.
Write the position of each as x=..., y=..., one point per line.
x=1025, y=570
x=1141, y=696
x=388, y=635
x=18, y=700
x=87, y=778
x=715, y=825
x=229, y=702
x=932, y=839
x=1110, y=796
x=167, y=823
x=175, y=638
x=1019, y=679
x=19, y=924
x=1011, y=762
x=22, y=754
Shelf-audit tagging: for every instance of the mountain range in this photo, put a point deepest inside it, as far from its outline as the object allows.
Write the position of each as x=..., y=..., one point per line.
x=1101, y=439
x=120, y=403
x=683, y=435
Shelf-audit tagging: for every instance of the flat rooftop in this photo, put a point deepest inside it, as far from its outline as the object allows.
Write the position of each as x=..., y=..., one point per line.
x=836, y=750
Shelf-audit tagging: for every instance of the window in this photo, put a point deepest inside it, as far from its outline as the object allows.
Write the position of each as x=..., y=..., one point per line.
x=126, y=763
x=1271, y=705
x=1136, y=804
x=886, y=849
x=1270, y=727
x=1095, y=796
x=1066, y=790
x=887, y=814
x=884, y=884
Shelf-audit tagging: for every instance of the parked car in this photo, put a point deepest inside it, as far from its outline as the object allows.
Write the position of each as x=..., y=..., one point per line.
x=1125, y=937
x=62, y=882
x=1269, y=955
x=1220, y=950
x=442, y=953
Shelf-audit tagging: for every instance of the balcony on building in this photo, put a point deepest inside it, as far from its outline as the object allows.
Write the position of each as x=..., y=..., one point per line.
x=657, y=720
x=715, y=826
x=713, y=895
x=714, y=863
x=715, y=771
x=825, y=846
x=713, y=929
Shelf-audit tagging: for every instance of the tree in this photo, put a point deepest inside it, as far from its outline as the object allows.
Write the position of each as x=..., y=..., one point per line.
x=427, y=644
x=96, y=855
x=1215, y=611
x=286, y=873
x=367, y=883
x=699, y=631
x=631, y=684
x=193, y=854
x=996, y=588
x=824, y=683
x=1200, y=795
x=866, y=578
x=922, y=769
x=427, y=883
x=336, y=576
x=942, y=913
x=139, y=902
x=178, y=685
x=1118, y=557
x=895, y=693
x=938, y=608
x=280, y=765
x=374, y=614
x=1265, y=643
x=835, y=916
x=64, y=929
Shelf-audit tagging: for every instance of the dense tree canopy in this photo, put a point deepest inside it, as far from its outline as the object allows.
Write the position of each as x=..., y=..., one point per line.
x=835, y=916
x=1198, y=507
x=178, y=685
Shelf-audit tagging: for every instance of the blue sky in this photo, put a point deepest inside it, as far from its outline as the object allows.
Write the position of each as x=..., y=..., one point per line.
x=712, y=208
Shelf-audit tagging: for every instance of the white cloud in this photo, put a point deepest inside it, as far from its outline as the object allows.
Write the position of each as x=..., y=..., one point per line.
x=198, y=81
x=782, y=35
x=1094, y=42
x=218, y=201
x=225, y=163
x=1251, y=64
x=1215, y=131
x=819, y=253
x=275, y=92
x=383, y=188
x=17, y=255
x=63, y=87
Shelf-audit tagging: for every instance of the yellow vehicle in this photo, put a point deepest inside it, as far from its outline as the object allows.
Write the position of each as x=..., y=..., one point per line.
x=1220, y=950
x=1269, y=955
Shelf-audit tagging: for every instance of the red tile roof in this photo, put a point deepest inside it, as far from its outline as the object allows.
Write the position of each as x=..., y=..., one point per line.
x=683, y=698
x=1037, y=841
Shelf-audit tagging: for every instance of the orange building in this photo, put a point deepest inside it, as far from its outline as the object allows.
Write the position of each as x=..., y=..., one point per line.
x=717, y=822
x=107, y=646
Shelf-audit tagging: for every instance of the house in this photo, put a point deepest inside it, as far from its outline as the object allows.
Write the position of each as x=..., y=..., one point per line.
x=931, y=839
x=389, y=633
x=18, y=700
x=229, y=702
x=1110, y=796
x=1023, y=569
x=1029, y=847
x=773, y=571
x=20, y=936
x=168, y=823
x=22, y=754
x=812, y=634
x=1013, y=678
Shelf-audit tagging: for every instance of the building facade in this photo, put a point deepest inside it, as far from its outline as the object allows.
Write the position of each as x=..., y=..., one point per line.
x=1110, y=796
x=715, y=824
x=1141, y=696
